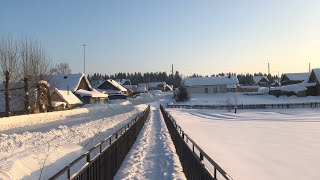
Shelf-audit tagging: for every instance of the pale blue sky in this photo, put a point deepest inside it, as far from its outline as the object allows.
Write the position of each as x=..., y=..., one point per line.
x=204, y=37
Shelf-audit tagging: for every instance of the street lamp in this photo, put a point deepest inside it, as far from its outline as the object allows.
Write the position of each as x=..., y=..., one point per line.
x=84, y=58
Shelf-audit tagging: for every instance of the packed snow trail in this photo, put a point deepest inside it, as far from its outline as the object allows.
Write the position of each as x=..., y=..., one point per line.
x=153, y=154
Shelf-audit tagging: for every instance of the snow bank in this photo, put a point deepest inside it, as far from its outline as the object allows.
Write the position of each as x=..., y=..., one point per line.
x=60, y=145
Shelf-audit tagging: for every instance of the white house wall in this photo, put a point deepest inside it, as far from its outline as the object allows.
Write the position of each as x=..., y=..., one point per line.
x=211, y=89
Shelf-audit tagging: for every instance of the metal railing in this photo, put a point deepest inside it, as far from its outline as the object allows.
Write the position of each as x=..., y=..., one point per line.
x=249, y=106
x=195, y=162
x=104, y=159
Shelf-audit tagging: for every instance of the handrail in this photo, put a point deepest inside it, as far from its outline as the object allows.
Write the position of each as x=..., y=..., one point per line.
x=248, y=106
x=202, y=153
x=87, y=155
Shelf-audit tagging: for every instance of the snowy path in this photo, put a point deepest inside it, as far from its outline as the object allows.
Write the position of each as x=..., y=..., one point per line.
x=153, y=154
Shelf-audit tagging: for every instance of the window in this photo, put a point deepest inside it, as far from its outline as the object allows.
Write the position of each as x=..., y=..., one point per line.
x=215, y=90
x=206, y=90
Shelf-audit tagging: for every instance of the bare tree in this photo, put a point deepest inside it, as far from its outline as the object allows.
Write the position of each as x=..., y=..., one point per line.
x=61, y=68
x=8, y=65
x=34, y=65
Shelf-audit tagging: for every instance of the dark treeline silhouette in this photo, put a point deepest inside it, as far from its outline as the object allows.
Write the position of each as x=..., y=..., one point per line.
x=246, y=79
x=138, y=77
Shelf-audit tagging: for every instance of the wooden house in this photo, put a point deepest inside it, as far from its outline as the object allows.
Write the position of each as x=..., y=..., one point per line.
x=79, y=85
x=313, y=83
x=111, y=86
x=293, y=78
x=261, y=81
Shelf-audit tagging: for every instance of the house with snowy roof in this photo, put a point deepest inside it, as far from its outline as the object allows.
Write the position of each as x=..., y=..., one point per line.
x=162, y=86
x=64, y=99
x=261, y=81
x=79, y=85
x=210, y=85
x=293, y=78
x=313, y=82
x=299, y=84
x=114, y=89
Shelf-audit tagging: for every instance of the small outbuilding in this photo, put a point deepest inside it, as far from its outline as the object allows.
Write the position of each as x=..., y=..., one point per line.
x=62, y=99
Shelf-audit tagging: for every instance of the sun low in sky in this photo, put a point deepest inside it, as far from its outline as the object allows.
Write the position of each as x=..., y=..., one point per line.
x=203, y=37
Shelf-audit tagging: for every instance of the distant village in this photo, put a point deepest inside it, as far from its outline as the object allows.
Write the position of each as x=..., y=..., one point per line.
x=61, y=92
x=298, y=84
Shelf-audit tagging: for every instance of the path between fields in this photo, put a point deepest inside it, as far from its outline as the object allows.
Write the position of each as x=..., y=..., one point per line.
x=153, y=154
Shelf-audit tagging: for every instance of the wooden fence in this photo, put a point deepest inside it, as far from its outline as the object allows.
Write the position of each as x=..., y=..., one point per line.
x=197, y=165
x=104, y=160
x=249, y=106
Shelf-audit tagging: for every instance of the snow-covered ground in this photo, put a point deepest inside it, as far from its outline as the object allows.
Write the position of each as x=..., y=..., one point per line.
x=255, y=144
x=36, y=144
x=240, y=98
x=153, y=154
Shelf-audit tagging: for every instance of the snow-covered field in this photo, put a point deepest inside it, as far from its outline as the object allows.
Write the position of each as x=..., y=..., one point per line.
x=240, y=98
x=36, y=144
x=255, y=144
x=153, y=154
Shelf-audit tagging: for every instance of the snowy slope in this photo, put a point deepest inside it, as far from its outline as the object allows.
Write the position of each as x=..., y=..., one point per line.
x=55, y=139
x=268, y=144
x=153, y=154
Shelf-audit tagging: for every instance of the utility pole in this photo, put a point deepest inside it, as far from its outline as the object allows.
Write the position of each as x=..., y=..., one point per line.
x=269, y=76
x=309, y=68
x=172, y=70
x=84, y=58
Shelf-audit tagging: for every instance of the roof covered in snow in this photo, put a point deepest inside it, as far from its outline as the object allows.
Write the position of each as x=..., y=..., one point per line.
x=292, y=88
x=297, y=76
x=317, y=73
x=93, y=93
x=257, y=79
x=67, y=82
x=68, y=97
x=207, y=81
x=117, y=85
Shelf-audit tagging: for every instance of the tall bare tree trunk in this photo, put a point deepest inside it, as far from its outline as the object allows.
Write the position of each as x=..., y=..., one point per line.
x=7, y=93
x=49, y=100
x=39, y=98
x=26, y=96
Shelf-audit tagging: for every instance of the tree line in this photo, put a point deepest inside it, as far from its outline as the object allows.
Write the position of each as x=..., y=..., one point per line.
x=175, y=80
x=245, y=79
x=139, y=77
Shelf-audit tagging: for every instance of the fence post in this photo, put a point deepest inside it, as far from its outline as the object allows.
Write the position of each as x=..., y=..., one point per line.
x=88, y=157
x=68, y=172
